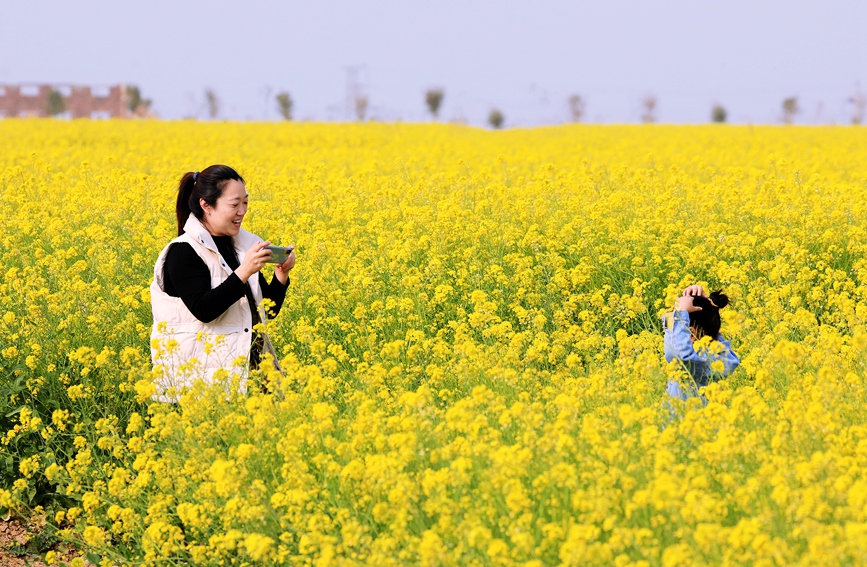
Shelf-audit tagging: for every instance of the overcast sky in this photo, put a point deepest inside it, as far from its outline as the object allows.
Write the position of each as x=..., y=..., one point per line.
x=524, y=58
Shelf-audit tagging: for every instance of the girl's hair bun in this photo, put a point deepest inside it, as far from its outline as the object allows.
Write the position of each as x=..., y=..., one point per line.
x=719, y=299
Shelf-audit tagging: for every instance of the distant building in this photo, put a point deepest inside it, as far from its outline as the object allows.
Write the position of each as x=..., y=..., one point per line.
x=32, y=100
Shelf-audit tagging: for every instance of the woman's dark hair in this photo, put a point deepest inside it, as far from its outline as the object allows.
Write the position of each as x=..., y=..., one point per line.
x=707, y=321
x=206, y=185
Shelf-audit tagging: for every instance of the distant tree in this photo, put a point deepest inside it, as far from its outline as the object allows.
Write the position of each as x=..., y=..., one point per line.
x=434, y=98
x=790, y=109
x=719, y=114
x=649, y=104
x=496, y=119
x=55, y=104
x=284, y=105
x=213, y=102
x=361, y=105
x=576, y=107
x=859, y=103
x=134, y=101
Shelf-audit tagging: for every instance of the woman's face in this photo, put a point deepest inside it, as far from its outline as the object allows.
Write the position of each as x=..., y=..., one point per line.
x=225, y=219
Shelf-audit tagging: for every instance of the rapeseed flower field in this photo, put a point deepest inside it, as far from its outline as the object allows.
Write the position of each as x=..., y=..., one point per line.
x=471, y=343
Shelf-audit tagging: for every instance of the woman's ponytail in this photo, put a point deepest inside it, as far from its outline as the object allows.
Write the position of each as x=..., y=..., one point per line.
x=719, y=299
x=185, y=191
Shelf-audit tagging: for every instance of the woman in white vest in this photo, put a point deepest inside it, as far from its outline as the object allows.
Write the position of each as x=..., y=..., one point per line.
x=207, y=289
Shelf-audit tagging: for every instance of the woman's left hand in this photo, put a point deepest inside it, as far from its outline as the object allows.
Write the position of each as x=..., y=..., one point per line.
x=684, y=303
x=695, y=291
x=281, y=271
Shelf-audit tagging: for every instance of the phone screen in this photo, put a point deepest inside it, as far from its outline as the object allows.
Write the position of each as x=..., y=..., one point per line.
x=279, y=254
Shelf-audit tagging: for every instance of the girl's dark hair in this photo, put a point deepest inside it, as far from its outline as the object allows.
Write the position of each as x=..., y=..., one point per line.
x=206, y=185
x=707, y=321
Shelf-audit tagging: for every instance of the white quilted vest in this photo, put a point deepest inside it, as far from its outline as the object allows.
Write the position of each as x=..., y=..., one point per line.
x=183, y=348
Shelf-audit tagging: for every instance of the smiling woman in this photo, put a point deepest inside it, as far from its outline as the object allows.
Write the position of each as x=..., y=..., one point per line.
x=207, y=290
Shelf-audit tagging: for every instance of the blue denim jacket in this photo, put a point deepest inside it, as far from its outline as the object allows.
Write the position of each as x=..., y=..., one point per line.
x=678, y=346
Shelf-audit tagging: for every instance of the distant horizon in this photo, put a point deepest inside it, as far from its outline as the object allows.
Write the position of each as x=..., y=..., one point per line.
x=443, y=123
x=429, y=119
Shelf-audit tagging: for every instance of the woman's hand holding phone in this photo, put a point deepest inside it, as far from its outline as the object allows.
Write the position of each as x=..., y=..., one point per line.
x=281, y=271
x=256, y=257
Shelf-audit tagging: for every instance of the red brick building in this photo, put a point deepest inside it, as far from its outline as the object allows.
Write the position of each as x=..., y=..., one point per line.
x=26, y=100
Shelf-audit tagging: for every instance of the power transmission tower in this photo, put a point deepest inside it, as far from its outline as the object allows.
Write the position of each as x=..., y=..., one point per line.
x=356, y=102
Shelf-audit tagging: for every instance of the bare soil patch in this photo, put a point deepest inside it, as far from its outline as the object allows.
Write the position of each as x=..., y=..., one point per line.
x=13, y=546
x=24, y=543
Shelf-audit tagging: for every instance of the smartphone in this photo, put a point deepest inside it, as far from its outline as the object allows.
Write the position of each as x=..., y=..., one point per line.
x=279, y=254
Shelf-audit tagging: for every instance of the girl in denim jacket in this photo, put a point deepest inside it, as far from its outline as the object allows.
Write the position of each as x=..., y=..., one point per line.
x=696, y=315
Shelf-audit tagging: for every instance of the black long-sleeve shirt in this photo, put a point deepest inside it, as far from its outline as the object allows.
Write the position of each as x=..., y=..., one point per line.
x=187, y=276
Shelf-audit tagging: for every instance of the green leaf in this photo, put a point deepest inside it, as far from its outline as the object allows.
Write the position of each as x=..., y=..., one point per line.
x=13, y=412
